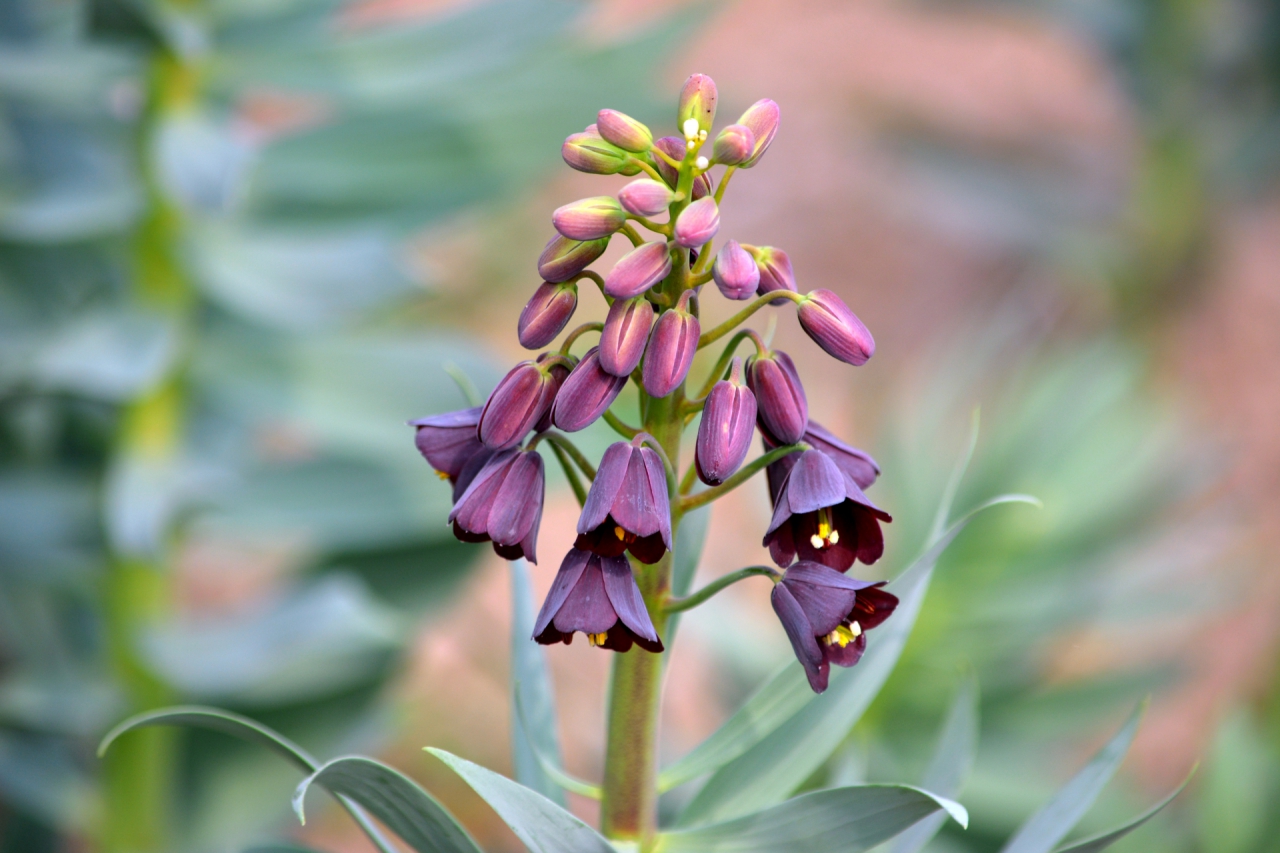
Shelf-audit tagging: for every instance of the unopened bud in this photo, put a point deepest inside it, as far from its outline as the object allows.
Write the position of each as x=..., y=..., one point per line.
x=671, y=349
x=639, y=270
x=516, y=405
x=834, y=327
x=783, y=409
x=562, y=259
x=697, y=223
x=697, y=102
x=626, y=330
x=728, y=422
x=735, y=272
x=590, y=152
x=646, y=197
x=589, y=218
x=585, y=395
x=547, y=313
x=734, y=145
x=762, y=118
x=775, y=271
x=624, y=131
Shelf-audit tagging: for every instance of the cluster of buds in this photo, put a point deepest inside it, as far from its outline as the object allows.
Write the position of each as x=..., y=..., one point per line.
x=822, y=520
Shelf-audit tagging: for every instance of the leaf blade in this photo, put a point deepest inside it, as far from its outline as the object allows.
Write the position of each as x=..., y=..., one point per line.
x=1106, y=839
x=533, y=718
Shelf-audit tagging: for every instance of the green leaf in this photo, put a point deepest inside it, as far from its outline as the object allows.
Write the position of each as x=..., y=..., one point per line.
x=280, y=848
x=1044, y=829
x=393, y=798
x=533, y=724
x=542, y=825
x=950, y=767
x=768, y=765
x=1236, y=795
x=838, y=820
x=1106, y=839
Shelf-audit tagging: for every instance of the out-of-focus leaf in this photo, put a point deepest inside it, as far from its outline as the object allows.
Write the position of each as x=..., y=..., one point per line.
x=200, y=162
x=48, y=526
x=1237, y=791
x=543, y=826
x=71, y=79
x=394, y=799
x=837, y=820
x=279, y=848
x=950, y=767
x=690, y=541
x=327, y=636
x=532, y=696
x=1044, y=829
x=39, y=774
x=106, y=356
x=1106, y=839
x=769, y=769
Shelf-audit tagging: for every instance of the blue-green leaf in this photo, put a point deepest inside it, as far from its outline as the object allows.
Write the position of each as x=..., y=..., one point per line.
x=1044, y=829
x=533, y=718
x=1106, y=839
x=393, y=798
x=950, y=767
x=690, y=540
x=542, y=825
x=838, y=820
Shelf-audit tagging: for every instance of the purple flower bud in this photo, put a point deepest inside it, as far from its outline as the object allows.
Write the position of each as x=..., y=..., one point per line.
x=624, y=131
x=628, y=508
x=447, y=441
x=762, y=117
x=821, y=515
x=734, y=145
x=728, y=421
x=516, y=405
x=783, y=407
x=697, y=101
x=826, y=615
x=697, y=223
x=671, y=349
x=599, y=597
x=735, y=272
x=503, y=503
x=825, y=318
x=546, y=313
x=775, y=271
x=589, y=218
x=626, y=330
x=585, y=395
x=562, y=259
x=646, y=197
x=589, y=152
x=557, y=368
x=674, y=147
x=639, y=270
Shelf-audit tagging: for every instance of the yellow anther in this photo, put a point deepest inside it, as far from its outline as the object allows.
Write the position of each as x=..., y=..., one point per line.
x=596, y=639
x=817, y=541
x=834, y=537
x=443, y=475
x=620, y=533
x=843, y=635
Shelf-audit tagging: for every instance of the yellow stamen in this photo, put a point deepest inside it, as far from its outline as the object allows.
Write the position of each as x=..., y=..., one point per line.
x=620, y=533
x=442, y=475
x=596, y=639
x=827, y=535
x=843, y=635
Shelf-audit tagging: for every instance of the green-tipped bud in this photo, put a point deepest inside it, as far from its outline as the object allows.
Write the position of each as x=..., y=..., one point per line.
x=589, y=218
x=734, y=145
x=762, y=117
x=590, y=152
x=698, y=102
x=624, y=131
x=563, y=258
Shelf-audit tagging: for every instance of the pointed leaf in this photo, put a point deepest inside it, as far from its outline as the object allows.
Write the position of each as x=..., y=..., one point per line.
x=542, y=825
x=1044, y=829
x=393, y=798
x=838, y=820
x=1106, y=839
x=533, y=723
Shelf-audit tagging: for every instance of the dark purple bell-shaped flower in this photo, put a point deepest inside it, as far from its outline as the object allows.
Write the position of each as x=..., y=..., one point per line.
x=728, y=421
x=584, y=396
x=671, y=349
x=447, y=441
x=826, y=615
x=857, y=464
x=782, y=405
x=546, y=313
x=825, y=318
x=626, y=330
x=503, y=503
x=821, y=515
x=521, y=400
x=562, y=259
x=628, y=508
x=598, y=596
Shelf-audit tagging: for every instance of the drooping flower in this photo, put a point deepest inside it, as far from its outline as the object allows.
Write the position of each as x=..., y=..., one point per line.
x=585, y=394
x=783, y=408
x=598, y=596
x=728, y=421
x=672, y=346
x=626, y=331
x=826, y=615
x=546, y=313
x=503, y=503
x=520, y=401
x=624, y=131
x=735, y=272
x=857, y=464
x=762, y=117
x=697, y=223
x=834, y=327
x=820, y=514
x=562, y=259
x=628, y=507
x=638, y=270
x=448, y=440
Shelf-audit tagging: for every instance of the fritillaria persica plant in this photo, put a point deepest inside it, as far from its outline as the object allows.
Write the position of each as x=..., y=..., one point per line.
x=614, y=585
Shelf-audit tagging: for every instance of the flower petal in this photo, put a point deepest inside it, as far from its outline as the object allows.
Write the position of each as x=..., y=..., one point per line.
x=627, y=602
x=806, y=647
x=566, y=579
x=587, y=608
x=604, y=488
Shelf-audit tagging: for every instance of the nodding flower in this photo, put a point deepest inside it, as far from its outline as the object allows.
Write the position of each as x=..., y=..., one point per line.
x=503, y=503
x=638, y=270
x=728, y=422
x=521, y=401
x=776, y=272
x=585, y=394
x=546, y=313
x=857, y=464
x=826, y=615
x=562, y=259
x=782, y=405
x=821, y=515
x=672, y=346
x=598, y=596
x=834, y=327
x=628, y=507
x=762, y=117
x=626, y=331
x=447, y=441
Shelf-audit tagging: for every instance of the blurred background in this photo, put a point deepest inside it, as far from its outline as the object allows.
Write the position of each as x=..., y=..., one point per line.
x=243, y=241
